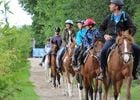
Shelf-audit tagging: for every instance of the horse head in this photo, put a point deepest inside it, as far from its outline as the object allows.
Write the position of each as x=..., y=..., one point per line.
x=124, y=43
x=54, y=47
x=71, y=46
x=98, y=45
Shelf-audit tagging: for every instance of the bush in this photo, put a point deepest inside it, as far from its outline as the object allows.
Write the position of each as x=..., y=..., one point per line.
x=14, y=51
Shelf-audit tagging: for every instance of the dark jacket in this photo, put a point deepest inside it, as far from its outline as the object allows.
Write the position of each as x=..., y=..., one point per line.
x=66, y=35
x=57, y=40
x=110, y=27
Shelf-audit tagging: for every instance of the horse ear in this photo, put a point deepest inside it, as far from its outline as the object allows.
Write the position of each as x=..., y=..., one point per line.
x=119, y=32
x=130, y=32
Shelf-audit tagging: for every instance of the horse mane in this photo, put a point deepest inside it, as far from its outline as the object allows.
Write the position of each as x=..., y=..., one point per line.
x=124, y=35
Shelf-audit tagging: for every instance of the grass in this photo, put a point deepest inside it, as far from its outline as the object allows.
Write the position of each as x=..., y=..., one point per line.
x=24, y=86
x=135, y=90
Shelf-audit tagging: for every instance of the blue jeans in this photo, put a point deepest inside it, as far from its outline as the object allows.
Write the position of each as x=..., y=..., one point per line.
x=104, y=52
x=60, y=54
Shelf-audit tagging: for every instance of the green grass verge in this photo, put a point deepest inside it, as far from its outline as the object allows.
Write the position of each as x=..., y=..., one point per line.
x=25, y=87
x=135, y=90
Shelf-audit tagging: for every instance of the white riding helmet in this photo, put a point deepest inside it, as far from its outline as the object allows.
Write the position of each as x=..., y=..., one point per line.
x=69, y=22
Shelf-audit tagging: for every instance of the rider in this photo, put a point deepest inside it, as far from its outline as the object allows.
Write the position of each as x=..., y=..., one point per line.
x=68, y=33
x=90, y=36
x=47, y=50
x=79, y=39
x=57, y=37
x=118, y=19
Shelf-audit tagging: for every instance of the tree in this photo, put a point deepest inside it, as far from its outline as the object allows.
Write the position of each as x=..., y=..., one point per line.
x=6, y=10
x=50, y=13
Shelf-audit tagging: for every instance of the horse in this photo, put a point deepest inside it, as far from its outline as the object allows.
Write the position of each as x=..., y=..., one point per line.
x=120, y=65
x=54, y=73
x=68, y=70
x=91, y=69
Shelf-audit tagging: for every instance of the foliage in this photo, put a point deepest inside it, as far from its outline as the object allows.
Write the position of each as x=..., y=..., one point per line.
x=15, y=45
x=6, y=9
x=50, y=13
x=137, y=21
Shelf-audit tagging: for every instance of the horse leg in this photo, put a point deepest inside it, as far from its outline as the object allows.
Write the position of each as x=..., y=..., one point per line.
x=96, y=89
x=80, y=85
x=100, y=89
x=54, y=80
x=91, y=93
x=116, y=94
x=128, y=87
x=105, y=89
x=65, y=83
x=119, y=85
x=86, y=93
x=69, y=85
x=58, y=78
x=86, y=85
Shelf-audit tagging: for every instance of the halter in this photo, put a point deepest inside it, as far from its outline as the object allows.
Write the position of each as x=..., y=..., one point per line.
x=125, y=53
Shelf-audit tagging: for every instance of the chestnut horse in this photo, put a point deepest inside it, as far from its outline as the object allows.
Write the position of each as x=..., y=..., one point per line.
x=120, y=65
x=91, y=69
x=67, y=67
x=54, y=73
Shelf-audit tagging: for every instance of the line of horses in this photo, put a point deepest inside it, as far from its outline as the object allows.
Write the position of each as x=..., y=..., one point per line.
x=119, y=67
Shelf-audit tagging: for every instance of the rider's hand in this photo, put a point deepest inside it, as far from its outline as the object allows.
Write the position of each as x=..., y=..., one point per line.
x=107, y=37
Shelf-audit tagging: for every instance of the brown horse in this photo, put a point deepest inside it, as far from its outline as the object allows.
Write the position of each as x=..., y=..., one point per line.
x=54, y=73
x=90, y=71
x=67, y=67
x=120, y=65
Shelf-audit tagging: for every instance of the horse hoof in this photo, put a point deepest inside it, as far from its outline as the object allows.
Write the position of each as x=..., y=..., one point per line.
x=81, y=87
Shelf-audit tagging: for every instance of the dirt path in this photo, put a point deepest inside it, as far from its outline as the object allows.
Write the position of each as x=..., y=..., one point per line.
x=44, y=89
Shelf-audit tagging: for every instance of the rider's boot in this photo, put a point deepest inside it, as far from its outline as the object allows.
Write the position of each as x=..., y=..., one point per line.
x=101, y=75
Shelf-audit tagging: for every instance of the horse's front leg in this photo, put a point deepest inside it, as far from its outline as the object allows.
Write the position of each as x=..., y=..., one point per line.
x=58, y=79
x=69, y=84
x=91, y=93
x=100, y=89
x=105, y=89
x=54, y=80
x=80, y=86
x=128, y=87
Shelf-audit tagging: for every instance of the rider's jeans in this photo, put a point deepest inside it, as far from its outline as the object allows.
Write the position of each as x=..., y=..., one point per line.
x=104, y=52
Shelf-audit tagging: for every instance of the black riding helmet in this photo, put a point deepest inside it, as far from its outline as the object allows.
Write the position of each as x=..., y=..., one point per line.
x=80, y=21
x=117, y=2
x=57, y=29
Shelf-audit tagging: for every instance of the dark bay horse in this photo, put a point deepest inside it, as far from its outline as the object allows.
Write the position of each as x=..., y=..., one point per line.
x=54, y=73
x=90, y=71
x=67, y=67
x=120, y=65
